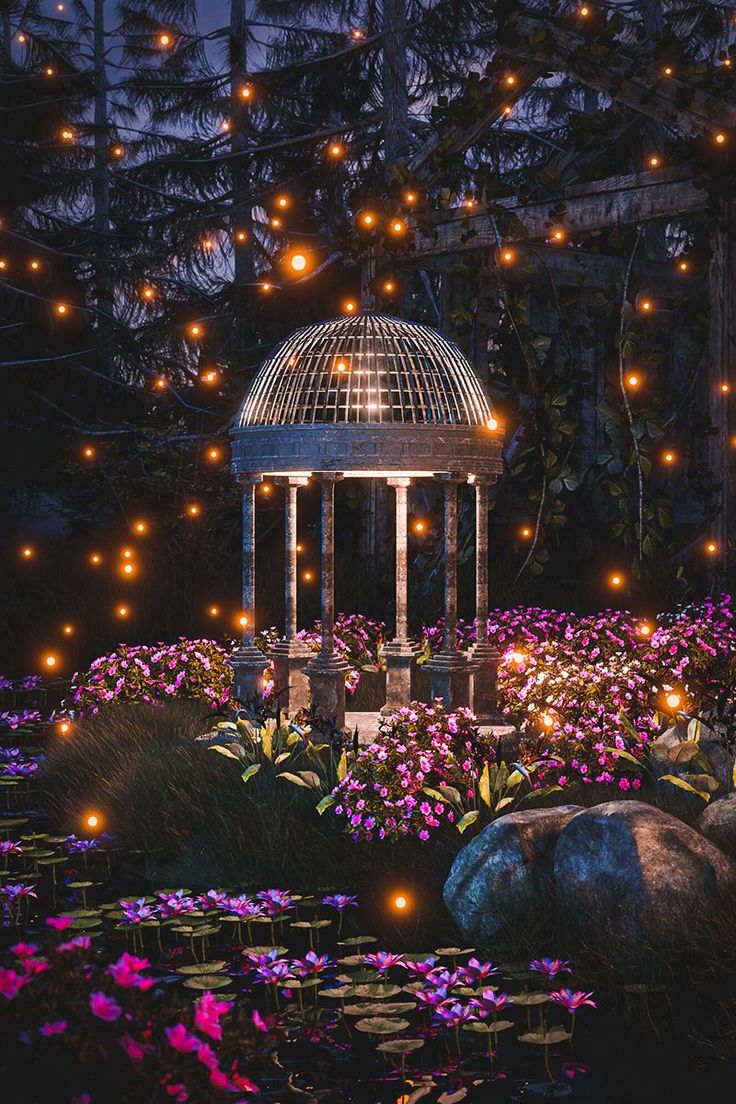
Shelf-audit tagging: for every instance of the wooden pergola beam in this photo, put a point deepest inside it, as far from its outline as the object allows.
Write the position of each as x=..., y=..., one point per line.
x=575, y=268
x=627, y=79
x=599, y=205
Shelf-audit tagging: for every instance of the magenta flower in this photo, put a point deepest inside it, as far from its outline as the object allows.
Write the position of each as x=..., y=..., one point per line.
x=207, y=1014
x=126, y=972
x=104, y=1007
x=420, y=969
x=476, y=971
x=383, y=960
x=78, y=943
x=59, y=923
x=311, y=964
x=490, y=1002
x=572, y=1000
x=179, y=1038
x=454, y=1014
x=24, y=950
x=53, y=1027
x=11, y=983
x=550, y=967
x=339, y=901
x=133, y=1049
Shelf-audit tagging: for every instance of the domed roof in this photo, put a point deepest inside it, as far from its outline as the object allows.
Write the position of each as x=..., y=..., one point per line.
x=366, y=368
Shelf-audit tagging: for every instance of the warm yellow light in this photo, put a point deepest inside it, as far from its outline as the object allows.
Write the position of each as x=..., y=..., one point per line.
x=68, y=630
x=727, y=63
x=21, y=38
x=646, y=306
x=668, y=70
x=195, y=329
x=210, y=376
x=118, y=151
x=584, y=11
x=275, y=223
x=616, y=580
x=632, y=381
x=266, y=287
x=95, y=558
x=61, y=308
x=367, y=220
x=148, y=293
x=49, y=70
x=397, y=227
x=67, y=135
x=510, y=80
x=140, y=527
x=526, y=532
x=27, y=552
x=160, y=383
x=341, y=366
x=128, y=569
x=357, y=34
x=300, y=548
x=492, y=422
x=242, y=620
x=654, y=161
x=241, y=236
x=214, y=611
x=469, y=203
x=400, y=902
x=122, y=611
x=507, y=109
x=88, y=452
x=389, y=287
x=225, y=125
x=214, y=454
x=194, y=509
x=410, y=198
x=64, y=728
x=644, y=628
x=719, y=138
x=282, y=202
x=50, y=660
x=164, y=39
x=683, y=265
x=669, y=457
x=725, y=388
x=92, y=820
x=336, y=150
x=34, y=266
x=673, y=699
x=307, y=576
x=350, y=306
x=558, y=234
x=711, y=548
x=266, y=489
x=548, y=720
x=517, y=658
x=246, y=92
x=208, y=245
x=298, y=262
x=127, y=553
x=3, y=264
x=420, y=526
x=508, y=256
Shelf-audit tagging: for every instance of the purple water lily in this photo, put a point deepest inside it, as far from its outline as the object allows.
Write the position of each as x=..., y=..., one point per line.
x=550, y=967
x=311, y=964
x=383, y=960
x=454, y=1014
x=490, y=1001
x=339, y=901
x=572, y=1000
x=475, y=971
x=135, y=912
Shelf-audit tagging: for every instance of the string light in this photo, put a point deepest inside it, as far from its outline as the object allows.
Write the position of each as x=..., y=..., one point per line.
x=242, y=621
x=469, y=203
x=3, y=264
x=160, y=383
x=61, y=309
x=646, y=306
x=510, y=80
x=711, y=548
x=389, y=287
x=21, y=38
x=668, y=70
x=336, y=150
x=632, y=381
x=122, y=612
x=164, y=39
x=654, y=161
x=126, y=553
x=616, y=580
x=64, y=728
x=673, y=699
x=298, y=262
x=28, y=552
x=357, y=34
x=241, y=236
x=88, y=452
x=725, y=388
x=644, y=628
x=508, y=256
x=214, y=454
x=140, y=527
x=282, y=202
x=683, y=265
x=195, y=329
x=547, y=720
x=367, y=220
x=300, y=548
x=558, y=234
x=35, y=266
x=92, y=820
x=95, y=559
x=526, y=532
x=506, y=110
x=719, y=138
x=49, y=71
x=208, y=245
x=225, y=126
x=50, y=660
x=400, y=902
x=410, y=198
x=148, y=293
x=67, y=630
x=246, y=92
x=128, y=570
x=584, y=11
x=194, y=509
x=118, y=151
x=266, y=287
x=214, y=611
x=67, y=135
x=492, y=422
x=275, y=222
x=419, y=527
x=210, y=376
x=266, y=489
x=307, y=576
x=669, y=457
x=341, y=366
x=350, y=306
x=397, y=227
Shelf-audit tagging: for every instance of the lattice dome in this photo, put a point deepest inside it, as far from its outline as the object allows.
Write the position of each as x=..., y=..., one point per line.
x=367, y=368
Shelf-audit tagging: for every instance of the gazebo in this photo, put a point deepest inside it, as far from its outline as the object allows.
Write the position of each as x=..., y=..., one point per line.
x=366, y=396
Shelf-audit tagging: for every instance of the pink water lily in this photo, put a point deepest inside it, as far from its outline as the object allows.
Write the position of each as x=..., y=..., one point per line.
x=550, y=967
x=207, y=1014
x=383, y=960
x=572, y=1000
x=104, y=1007
x=53, y=1027
x=11, y=983
x=181, y=1039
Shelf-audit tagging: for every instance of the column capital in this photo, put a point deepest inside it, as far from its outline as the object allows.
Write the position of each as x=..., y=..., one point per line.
x=291, y=480
x=249, y=478
x=398, y=481
x=482, y=480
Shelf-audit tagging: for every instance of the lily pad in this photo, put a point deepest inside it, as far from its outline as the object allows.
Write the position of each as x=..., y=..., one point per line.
x=207, y=981
x=378, y=1025
x=377, y=991
x=311, y=924
x=547, y=1038
x=453, y=952
x=400, y=1046
x=351, y=960
x=488, y=1028
x=337, y=992
x=357, y=940
x=202, y=968
x=525, y=999
x=265, y=950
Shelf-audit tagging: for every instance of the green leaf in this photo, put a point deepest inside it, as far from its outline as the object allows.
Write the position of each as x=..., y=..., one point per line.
x=683, y=785
x=484, y=785
x=468, y=819
x=294, y=778
x=325, y=803
x=342, y=767
x=250, y=771
x=621, y=754
x=224, y=751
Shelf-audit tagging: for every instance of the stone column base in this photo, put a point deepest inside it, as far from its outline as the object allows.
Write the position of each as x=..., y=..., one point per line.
x=449, y=679
x=326, y=676
x=289, y=659
x=483, y=684
x=400, y=656
x=249, y=663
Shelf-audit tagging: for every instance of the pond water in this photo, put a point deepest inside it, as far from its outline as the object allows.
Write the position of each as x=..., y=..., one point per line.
x=307, y=1002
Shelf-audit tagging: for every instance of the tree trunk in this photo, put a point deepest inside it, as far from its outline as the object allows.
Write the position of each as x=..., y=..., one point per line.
x=395, y=94
x=104, y=288
x=242, y=210
x=722, y=371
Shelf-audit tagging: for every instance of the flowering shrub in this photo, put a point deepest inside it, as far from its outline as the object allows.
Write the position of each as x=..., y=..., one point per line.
x=358, y=639
x=387, y=790
x=152, y=673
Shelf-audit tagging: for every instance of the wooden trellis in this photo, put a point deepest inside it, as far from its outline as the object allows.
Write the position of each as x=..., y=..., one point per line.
x=529, y=50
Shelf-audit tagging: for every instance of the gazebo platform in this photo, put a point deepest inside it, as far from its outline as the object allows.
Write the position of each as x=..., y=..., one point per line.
x=367, y=725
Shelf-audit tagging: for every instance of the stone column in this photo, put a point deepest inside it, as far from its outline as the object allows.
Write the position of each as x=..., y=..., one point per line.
x=483, y=697
x=449, y=671
x=400, y=653
x=290, y=655
x=249, y=662
x=326, y=672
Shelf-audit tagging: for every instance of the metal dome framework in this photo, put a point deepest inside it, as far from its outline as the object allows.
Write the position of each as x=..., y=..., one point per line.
x=366, y=396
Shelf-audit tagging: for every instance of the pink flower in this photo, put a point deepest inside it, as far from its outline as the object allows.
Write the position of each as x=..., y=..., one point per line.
x=133, y=1049
x=59, y=923
x=53, y=1027
x=207, y=1015
x=78, y=943
x=11, y=983
x=104, y=1007
x=181, y=1039
x=24, y=950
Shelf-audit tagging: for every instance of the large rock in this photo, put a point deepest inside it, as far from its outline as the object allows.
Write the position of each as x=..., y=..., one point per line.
x=718, y=823
x=506, y=871
x=627, y=870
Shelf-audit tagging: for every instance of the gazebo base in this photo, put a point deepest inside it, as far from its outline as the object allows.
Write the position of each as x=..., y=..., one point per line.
x=367, y=725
